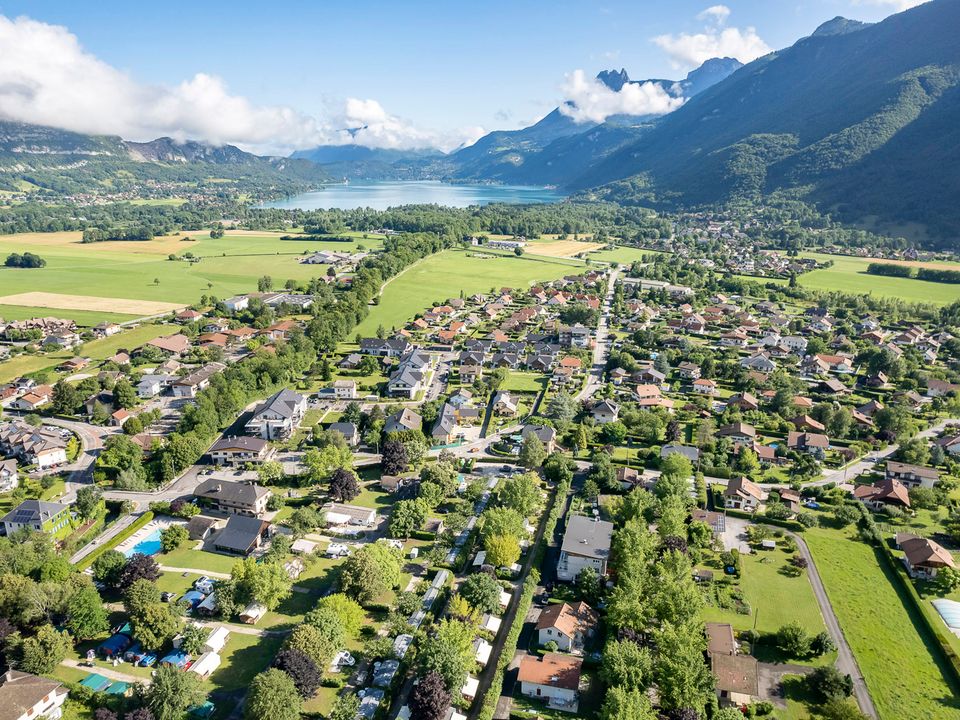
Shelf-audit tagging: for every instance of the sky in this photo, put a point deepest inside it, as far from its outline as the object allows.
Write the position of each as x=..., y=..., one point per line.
x=273, y=77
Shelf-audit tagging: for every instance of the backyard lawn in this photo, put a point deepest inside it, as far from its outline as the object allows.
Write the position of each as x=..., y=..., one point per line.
x=187, y=557
x=883, y=630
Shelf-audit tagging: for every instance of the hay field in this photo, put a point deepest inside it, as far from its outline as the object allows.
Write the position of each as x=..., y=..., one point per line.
x=562, y=248
x=90, y=303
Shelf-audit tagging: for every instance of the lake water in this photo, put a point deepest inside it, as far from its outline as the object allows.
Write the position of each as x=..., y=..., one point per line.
x=381, y=195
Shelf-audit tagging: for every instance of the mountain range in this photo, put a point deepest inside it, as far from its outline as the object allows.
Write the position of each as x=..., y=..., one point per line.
x=66, y=162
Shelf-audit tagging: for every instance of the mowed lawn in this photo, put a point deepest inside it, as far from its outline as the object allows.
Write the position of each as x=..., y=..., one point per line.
x=895, y=655
x=83, y=318
x=229, y=265
x=444, y=275
x=775, y=598
x=849, y=274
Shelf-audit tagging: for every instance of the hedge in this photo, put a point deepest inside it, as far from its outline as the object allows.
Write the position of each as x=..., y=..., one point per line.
x=759, y=518
x=116, y=540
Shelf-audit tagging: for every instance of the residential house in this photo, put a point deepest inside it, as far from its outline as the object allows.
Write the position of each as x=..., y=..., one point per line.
x=923, y=557
x=344, y=389
x=688, y=451
x=705, y=386
x=689, y=371
x=190, y=385
x=33, y=399
x=9, y=477
x=237, y=303
x=568, y=625
x=349, y=431
x=239, y=450
x=152, y=385
x=233, y=498
x=546, y=434
x=278, y=416
x=30, y=697
x=553, y=677
x=241, y=535
x=737, y=678
x=740, y=433
x=171, y=344
x=41, y=446
x=912, y=475
x=574, y=336
x=403, y=420
x=716, y=520
x=883, y=493
x=504, y=403
x=586, y=544
x=37, y=516
x=741, y=494
x=813, y=443
x=605, y=411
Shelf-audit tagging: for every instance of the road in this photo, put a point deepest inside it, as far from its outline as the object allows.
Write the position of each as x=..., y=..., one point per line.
x=602, y=344
x=846, y=663
x=869, y=461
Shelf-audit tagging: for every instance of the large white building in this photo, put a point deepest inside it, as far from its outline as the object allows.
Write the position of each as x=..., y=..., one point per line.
x=278, y=416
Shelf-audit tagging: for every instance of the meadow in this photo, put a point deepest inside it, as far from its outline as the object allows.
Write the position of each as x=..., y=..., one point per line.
x=849, y=274
x=142, y=271
x=882, y=629
x=448, y=273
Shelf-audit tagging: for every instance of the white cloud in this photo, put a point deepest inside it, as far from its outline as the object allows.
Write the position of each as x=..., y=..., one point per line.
x=898, y=5
x=715, y=13
x=48, y=78
x=689, y=50
x=589, y=100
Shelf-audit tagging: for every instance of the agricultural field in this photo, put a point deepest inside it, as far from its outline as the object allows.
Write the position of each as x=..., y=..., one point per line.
x=444, y=275
x=141, y=271
x=882, y=629
x=621, y=254
x=561, y=248
x=850, y=275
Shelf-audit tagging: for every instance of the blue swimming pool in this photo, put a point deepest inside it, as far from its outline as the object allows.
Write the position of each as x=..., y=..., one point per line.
x=150, y=545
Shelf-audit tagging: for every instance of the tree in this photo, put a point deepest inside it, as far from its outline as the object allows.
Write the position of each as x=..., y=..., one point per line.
x=482, y=592
x=948, y=580
x=266, y=583
x=193, y=638
x=623, y=704
x=270, y=472
x=448, y=652
x=793, y=640
x=821, y=644
x=407, y=516
x=845, y=515
x=345, y=707
x=501, y=521
x=370, y=572
x=837, y=709
x=429, y=699
x=88, y=501
x=66, y=398
x=394, y=459
x=344, y=486
x=139, y=595
x=319, y=640
x=350, y=612
x=562, y=408
x=302, y=670
x=502, y=550
x=86, y=616
x=680, y=673
x=532, y=451
x=155, y=624
x=521, y=492
x=41, y=653
x=173, y=537
x=140, y=713
x=171, y=692
x=827, y=683
x=124, y=394
x=138, y=567
x=322, y=462
x=273, y=694
x=305, y=520
x=626, y=664
x=614, y=432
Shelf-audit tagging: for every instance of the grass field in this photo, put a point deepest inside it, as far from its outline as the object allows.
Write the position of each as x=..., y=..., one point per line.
x=774, y=597
x=83, y=318
x=882, y=629
x=446, y=274
x=849, y=274
x=621, y=254
x=229, y=265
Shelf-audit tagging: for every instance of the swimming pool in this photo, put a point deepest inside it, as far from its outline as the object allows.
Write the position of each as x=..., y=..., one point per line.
x=150, y=545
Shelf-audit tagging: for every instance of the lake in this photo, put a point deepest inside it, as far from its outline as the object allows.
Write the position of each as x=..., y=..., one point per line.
x=383, y=194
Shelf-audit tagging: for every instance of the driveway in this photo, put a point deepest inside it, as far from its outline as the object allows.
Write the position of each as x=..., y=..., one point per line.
x=734, y=535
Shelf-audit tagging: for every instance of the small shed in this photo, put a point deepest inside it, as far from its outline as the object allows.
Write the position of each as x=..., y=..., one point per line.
x=95, y=682
x=252, y=613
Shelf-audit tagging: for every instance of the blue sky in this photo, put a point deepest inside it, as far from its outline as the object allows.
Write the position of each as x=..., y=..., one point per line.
x=413, y=72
